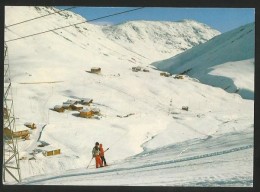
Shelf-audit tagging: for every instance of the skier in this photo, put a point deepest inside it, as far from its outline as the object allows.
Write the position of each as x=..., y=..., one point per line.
x=102, y=155
x=96, y=154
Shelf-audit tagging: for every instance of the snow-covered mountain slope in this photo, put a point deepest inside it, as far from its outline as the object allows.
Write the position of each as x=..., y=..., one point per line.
x=226, y=61
x=158, y=40
x=206, y=162
x=140, y=111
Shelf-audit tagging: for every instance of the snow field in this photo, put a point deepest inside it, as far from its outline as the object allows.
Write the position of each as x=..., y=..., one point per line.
x=49, y=69
x=225, y=61
x=167, y=166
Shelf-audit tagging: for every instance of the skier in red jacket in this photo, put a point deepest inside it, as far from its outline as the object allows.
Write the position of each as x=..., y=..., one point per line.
x=96, y=154
x=102, y=155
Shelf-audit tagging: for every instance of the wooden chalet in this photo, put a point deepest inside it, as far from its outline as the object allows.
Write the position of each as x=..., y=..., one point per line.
x=24, y=134
x=87, y=113
x=165, y=74
x=71, y=102
x=185, y=108
x=136, y=69
x=86, y=101
x=96, y=70
x=95, y=111
x=30, y=125
x=67, y=106
x=179, y=77
x=76, y=108
x=59, y=108
x=51, y=152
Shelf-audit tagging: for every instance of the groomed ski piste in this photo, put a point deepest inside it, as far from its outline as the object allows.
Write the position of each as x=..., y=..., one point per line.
x=192, y=163
x=151, y=140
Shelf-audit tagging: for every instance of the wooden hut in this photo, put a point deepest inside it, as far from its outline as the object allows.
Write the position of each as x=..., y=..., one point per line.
x=95, y=111
x=96, y=70
x=76, y=108
x=186, y=108
x=59, y=108
x=136, y=69
x=66, y=106
x=71, y=102
x=86, y=101
x=25, y=134
x=7, y=132
x=86, y=113
x=30, y=125
x=52, y=152
x=178, y=77
x=165, y=74
x=26, y=137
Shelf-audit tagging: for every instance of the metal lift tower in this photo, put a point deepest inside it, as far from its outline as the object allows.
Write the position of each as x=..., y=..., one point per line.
x=11, y=165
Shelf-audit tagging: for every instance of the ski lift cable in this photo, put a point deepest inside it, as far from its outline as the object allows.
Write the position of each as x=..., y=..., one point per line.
x=52, y=30
x=40, y=17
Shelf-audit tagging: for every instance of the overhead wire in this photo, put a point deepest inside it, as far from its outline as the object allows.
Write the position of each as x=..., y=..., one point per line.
x=40, y=17
x=52, y=30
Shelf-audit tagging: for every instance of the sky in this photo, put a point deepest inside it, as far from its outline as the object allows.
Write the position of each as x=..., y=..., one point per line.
x=222, y=19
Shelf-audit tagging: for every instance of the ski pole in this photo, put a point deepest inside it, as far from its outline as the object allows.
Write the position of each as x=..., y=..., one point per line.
x=90, y=162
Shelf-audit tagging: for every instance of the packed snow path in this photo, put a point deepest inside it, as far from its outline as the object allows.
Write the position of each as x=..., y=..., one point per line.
x=211, y=161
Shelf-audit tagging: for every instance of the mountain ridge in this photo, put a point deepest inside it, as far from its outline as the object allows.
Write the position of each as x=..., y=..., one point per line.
x=165, y=37
x=200, y=62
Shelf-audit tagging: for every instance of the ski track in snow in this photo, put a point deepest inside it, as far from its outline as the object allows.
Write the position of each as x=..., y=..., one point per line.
x=140, y=164
x=139, y=168
x=41, y=132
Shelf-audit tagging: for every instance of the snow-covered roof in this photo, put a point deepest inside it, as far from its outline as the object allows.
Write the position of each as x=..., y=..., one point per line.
x=28, y=123
x=77, y=105
x=86, y=100
x=70, y=102
x=66, y=105
x=95, y=110
x=57, y=106
x=95, y=68
x=84, y=110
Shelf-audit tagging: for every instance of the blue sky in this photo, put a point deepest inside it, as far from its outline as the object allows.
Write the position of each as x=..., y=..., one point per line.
x=222, y=19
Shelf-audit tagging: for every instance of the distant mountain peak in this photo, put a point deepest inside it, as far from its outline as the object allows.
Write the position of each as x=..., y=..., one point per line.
x=165, y=37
